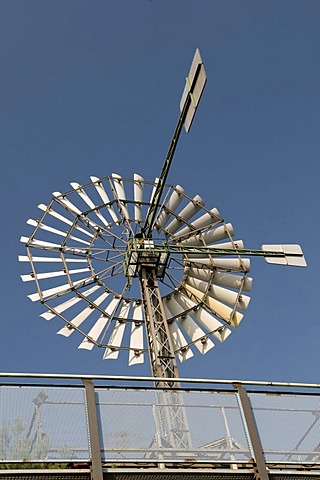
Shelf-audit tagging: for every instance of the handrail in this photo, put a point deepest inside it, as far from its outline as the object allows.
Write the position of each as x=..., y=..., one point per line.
x=120, y=378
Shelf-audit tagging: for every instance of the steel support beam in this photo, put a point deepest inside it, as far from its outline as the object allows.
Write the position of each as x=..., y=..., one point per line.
x=252, y=431
x=161, y=351
x=96, y=464
x=171, y=418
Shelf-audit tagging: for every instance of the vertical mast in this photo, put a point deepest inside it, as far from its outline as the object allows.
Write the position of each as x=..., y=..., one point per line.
x=171, y=414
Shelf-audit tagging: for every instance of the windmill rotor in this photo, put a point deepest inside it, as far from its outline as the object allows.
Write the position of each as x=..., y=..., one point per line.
x=141, y=266
x=86, y=264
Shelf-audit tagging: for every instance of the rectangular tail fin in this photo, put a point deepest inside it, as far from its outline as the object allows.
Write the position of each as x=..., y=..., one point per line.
x=284, y=255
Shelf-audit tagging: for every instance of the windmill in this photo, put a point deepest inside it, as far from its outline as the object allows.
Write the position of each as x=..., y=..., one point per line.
x=142, y=267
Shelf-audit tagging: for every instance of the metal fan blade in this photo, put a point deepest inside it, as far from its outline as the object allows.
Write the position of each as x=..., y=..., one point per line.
x=99, y=326
x=63, y=219
x=70, y=206
x=189, y=211
x=180, y=344
x=94, y=333
x=42, y=226
x=224, y=279
x=234, y=245
x=138, y=197
x=136, y=355
x=170, y=208
x=53, y=291
x=155, y=184
x=24, y=258
x=229, y=264
x=62, y=307
x=104, y=197
x=293, y=255
x=41, y=276
x=209, y=219
x=194, y=332
x=40, y=243
x=77, y=187
x=120, y=194
x=220, y=309
x=67, y=330
x=112, y=351
x=204, y=318
x=219, y=293
x=209, y=237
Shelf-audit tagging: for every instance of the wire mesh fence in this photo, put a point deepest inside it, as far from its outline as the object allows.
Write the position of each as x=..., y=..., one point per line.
x=146, y=425
x=43, y=423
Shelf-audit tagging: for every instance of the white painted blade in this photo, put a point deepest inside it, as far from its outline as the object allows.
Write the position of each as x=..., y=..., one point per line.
x=234, y=245
x=207, y=220
x=295, y=261
x=85, y=197
x=224, y=279
x=156, y=181
x=229, y=264
x=87, y=343
x=115, y=340
x=39, y=243
x=53, y=291
x=212, y=236
x=206, y=320
x=189, y=211
x=219, y=293
x=189, y=326
x=136, y=355
x=120, y=194
x=70, y=206
x=63, y=219
x=170, y=208
x=220, y=309
x=62, y=307
x=104, y=197
x=98, y=327
x=138, y=196
x=61, y=273
x=24, y=258
x=66, y=331
x=179, y=342
x=42, y=226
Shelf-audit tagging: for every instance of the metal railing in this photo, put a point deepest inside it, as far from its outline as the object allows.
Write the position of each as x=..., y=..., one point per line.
x=113, y=422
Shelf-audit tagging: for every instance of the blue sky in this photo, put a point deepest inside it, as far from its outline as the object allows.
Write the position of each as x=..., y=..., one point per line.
x=89, y=88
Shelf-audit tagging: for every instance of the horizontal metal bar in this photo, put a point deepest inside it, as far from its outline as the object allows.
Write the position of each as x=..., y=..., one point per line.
x=161, y=471
x=120, y=378
x=164, y=248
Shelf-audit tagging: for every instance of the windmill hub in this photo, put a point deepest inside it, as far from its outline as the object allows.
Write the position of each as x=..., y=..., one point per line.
x=142, y=252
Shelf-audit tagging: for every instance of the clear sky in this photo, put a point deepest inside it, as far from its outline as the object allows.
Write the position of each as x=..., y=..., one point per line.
x=93, y=87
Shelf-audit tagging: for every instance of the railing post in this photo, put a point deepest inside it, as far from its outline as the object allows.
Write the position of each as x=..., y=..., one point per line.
x=252, y=432
x=96, y=464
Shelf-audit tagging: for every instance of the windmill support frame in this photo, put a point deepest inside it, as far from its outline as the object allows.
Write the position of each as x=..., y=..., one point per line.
x=170, y=417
